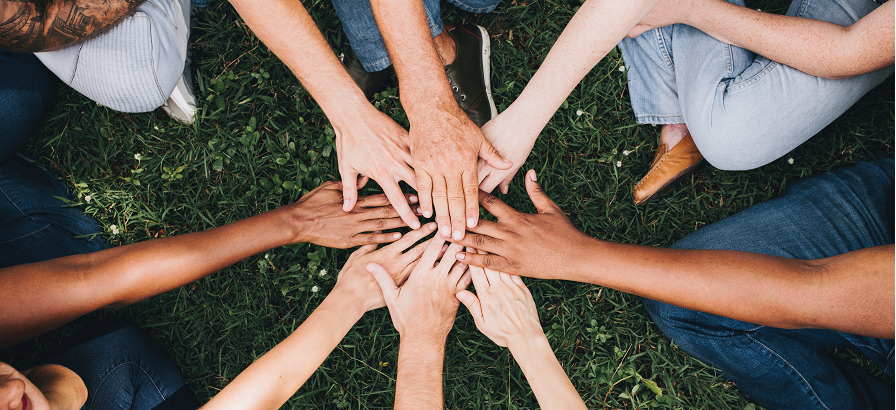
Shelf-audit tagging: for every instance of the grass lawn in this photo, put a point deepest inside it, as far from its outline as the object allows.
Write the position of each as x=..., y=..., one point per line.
x=261, y=142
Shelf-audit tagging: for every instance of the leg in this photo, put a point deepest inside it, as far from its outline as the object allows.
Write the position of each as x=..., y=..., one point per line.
x=27, y=91
x=136, y=65
x=820, y=216
x=735, y=102
x=124, y=368
x=34, y=224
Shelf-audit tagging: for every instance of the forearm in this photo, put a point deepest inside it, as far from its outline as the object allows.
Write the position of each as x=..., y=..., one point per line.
x=420, y=364
x=815, y=47
x=275, y=377
x=28, y=27
x=751, y=287
x=41, y=296
x=596, y=28
x=549, y=382
x=306, y=52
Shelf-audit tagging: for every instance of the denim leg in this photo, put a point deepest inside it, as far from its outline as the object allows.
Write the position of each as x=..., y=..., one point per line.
x=34, y=224
x=125, y=369
x=27, y=91
x=136, y=65
x=651, y=77
x=742, y=109
x=820, y=216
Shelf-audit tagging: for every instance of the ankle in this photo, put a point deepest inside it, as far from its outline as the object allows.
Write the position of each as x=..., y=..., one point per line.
x=672, y=134
x=445, y=46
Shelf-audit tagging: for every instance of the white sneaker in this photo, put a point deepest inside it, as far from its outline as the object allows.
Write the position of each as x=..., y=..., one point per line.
x=181, y=105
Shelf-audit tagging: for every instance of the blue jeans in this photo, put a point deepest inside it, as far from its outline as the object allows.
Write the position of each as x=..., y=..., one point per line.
x=364, y=34
x=36, y=225
x=123, y=368
x=743, y=110
x=820, y=216
x=27, y=92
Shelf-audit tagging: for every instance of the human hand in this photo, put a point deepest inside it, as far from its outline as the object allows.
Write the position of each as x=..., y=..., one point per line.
x=356, y=281
x=534, y=245
x=53, y=387
x=514, y=141
x=374, y=146
x=424, y=307
x=318, y=218
x=503, y=308
x=666, y=12
x=445, y=147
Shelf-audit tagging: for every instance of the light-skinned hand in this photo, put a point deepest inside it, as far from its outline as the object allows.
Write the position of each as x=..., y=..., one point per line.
x=514, y=140
x=424, y=307
x=532, y=245
x=318, y=217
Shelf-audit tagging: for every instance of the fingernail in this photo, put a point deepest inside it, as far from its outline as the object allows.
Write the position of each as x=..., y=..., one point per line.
x=446, y=231
x=397, y=235
x=427, y=214
x=460, y=256
x=370, y=268
x=533, y=177
x=412, y=198
x=431, y=226
x=471, y=223
x=462, y=297
x=458, y=235
x=415, y=224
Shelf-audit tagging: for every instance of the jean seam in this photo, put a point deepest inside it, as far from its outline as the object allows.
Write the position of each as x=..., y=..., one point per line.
x=151, y=379
x=26, y=235
x=477, y=10
x=736, y=87
x=805, y=382
x=664, y=49
x=77, y=58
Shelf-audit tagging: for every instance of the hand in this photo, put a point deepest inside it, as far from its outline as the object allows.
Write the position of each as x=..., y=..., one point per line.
x=534, y=245
x=513, y=141
x=666, y=13
x=59, y=388
x=425, y=306
x=355, y=279
x=504, y=309
x=445, y=147
x=319, y=218
x=374, y=146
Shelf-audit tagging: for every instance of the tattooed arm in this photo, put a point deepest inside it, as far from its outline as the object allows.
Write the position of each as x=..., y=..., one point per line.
x=43, y=25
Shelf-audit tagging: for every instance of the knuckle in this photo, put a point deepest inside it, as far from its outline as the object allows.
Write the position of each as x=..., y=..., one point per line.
x=380, y=223
x=372, y=238
x=478, y=241
x=490, y=199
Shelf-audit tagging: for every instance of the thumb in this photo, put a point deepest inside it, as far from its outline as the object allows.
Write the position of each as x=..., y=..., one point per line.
x=541, y=201
x=384, y=279
x=349, y=190
x=491, y=156
x=472, y=303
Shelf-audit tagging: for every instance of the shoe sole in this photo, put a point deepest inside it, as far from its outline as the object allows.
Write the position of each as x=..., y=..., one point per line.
x=486, y=69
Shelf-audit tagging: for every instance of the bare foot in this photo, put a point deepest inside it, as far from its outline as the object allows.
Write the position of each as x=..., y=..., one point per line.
x=445, y=45
x=671, y=134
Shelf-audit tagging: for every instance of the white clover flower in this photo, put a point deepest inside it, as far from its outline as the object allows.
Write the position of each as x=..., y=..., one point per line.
x=114, y=229
x=314, y=289
x=625, y=152
x=579, y=112
x=138, y=157
x=323, y=272
x=618, y=164
x=622, y=69
x=156, y=128
x=87, y=198
x=790, y=161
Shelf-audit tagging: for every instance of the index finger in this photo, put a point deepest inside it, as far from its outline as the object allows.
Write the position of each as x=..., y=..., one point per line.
x=400, y=203
x=495, y=206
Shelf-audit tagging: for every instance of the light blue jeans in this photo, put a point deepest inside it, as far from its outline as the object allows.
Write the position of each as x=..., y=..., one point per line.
x=364, y=34
x=819, y=217
x=743, y=110
x=135, y=66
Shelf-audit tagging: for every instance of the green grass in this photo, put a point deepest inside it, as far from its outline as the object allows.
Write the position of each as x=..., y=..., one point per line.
x=261, y=142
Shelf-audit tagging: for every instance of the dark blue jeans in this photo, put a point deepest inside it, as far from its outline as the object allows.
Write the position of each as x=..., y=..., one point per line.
x=123, y=368
x=27, y=91
x=820, y=216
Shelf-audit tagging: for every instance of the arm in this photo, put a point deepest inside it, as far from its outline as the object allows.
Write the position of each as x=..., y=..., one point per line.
x=762, y=289
x=43, y=25
x=596, y=28
x=815, y=47
x=38, y=297
x=368, y=142
x=423, y=310
x=505, y=312
x=445, y=144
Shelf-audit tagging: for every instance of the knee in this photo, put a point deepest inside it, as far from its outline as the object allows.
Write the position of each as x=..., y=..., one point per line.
x=736, y=147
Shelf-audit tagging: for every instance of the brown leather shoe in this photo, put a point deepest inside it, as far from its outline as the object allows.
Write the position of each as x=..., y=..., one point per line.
x=667, y=167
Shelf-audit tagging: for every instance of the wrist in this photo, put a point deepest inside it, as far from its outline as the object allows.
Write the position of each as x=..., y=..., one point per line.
x=526, y=350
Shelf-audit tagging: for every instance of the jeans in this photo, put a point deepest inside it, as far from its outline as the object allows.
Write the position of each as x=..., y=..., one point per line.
x=820, y=216
x=364, y=34
x=123, y=368
x=136, y=65
x=27, y=91
x=743, y=110
x=36, y=225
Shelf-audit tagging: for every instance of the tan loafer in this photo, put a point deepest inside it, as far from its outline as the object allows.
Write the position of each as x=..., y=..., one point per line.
x=667, y=167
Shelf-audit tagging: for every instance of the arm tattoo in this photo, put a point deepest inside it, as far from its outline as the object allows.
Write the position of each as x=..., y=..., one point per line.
x=40, y=25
